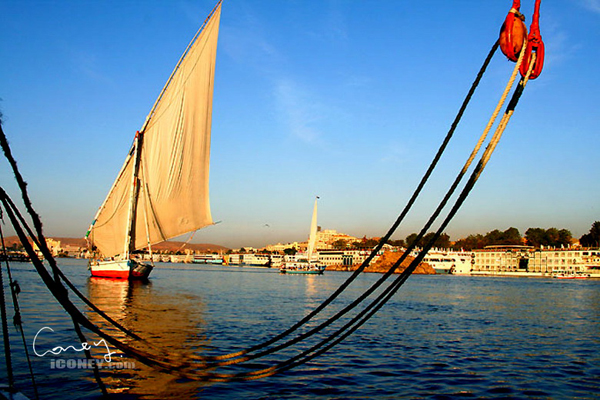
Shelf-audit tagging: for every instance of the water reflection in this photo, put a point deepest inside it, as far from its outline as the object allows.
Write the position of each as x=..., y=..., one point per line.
x=172, y=323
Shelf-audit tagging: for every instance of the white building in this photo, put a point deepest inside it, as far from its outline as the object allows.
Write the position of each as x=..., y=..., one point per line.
x=527, y=261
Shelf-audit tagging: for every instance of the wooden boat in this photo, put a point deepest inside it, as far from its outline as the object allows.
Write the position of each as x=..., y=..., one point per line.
x=162, y=189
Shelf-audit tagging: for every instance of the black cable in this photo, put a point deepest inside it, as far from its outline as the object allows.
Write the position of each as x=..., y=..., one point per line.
x=57, y=290
x=401, y=279
x=386, y=295
x=41, y=241
x=387, y=236
x=7, y=352
x=374, y=306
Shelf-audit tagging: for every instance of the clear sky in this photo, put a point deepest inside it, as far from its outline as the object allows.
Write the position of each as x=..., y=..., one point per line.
x=346, y=99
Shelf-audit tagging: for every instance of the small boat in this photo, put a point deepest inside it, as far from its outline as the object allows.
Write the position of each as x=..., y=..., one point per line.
x=563, y=275
x=17, y=256
x=570, y=275
x=302, y=266
x=308, y=264
x=162, y=189
x=582, y=275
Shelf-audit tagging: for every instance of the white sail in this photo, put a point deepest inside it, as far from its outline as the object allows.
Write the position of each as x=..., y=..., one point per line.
x=171, y=197
x=312, y=238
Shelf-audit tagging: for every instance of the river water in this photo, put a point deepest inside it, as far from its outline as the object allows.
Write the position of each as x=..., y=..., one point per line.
x=439, y=337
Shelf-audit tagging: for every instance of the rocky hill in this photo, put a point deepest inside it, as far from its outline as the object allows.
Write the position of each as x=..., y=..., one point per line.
x=385, y=262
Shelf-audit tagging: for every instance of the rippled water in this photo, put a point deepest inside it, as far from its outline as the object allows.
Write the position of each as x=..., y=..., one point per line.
x=439, y=337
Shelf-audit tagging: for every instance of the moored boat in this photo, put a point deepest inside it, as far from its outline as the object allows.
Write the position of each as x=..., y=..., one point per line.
x=570, y=275
x=302, y=266
x=563, y=275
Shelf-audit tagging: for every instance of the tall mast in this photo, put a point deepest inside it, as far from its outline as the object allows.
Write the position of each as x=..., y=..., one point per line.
x=133, y=198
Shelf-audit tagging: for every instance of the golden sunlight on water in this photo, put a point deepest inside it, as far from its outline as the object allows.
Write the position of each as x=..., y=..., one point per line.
x=172, y=323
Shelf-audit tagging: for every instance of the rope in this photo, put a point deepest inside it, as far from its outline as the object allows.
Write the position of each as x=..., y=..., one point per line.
x=400, y=218
x=40, y=241
x=160, y=363
x=386, y=237
x=88, y=355
x=370, y=310
x=355, y=274
x=391, y=290
x=380, y=244
x=184, y=369
x=17, y=320
x=7, y=352
x=399, y=281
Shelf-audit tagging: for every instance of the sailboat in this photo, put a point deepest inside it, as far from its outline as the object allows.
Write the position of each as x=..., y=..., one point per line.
x=307, y=265
x=162, y=189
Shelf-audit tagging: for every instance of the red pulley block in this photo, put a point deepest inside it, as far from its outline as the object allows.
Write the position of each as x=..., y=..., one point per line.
x=534, y=44
x=513, y=34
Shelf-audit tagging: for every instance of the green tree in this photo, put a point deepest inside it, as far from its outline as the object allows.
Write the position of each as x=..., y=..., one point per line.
x=411, y=239
x=548, y=237
x=365, y=243
x=340, y=244
x=592, y=238
x=552, y=237
x=512, y=236
x=471, y=242
x=397, y=243
x=535, y=237
x=493, y=237
x=442, y=242
x=565, y=237
x=369, y=243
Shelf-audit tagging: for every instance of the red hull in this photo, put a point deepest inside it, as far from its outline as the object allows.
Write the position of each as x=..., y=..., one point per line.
x=129, y=269
x=111, y=274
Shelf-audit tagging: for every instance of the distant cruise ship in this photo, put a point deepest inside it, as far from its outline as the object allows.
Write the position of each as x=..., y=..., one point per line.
x=511, y=260
x=528, y=261
x=449, y=262
x=207, y=259
x=251, y=260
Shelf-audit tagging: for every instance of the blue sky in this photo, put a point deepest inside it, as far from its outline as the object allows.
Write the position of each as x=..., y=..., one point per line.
x=348, y=100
